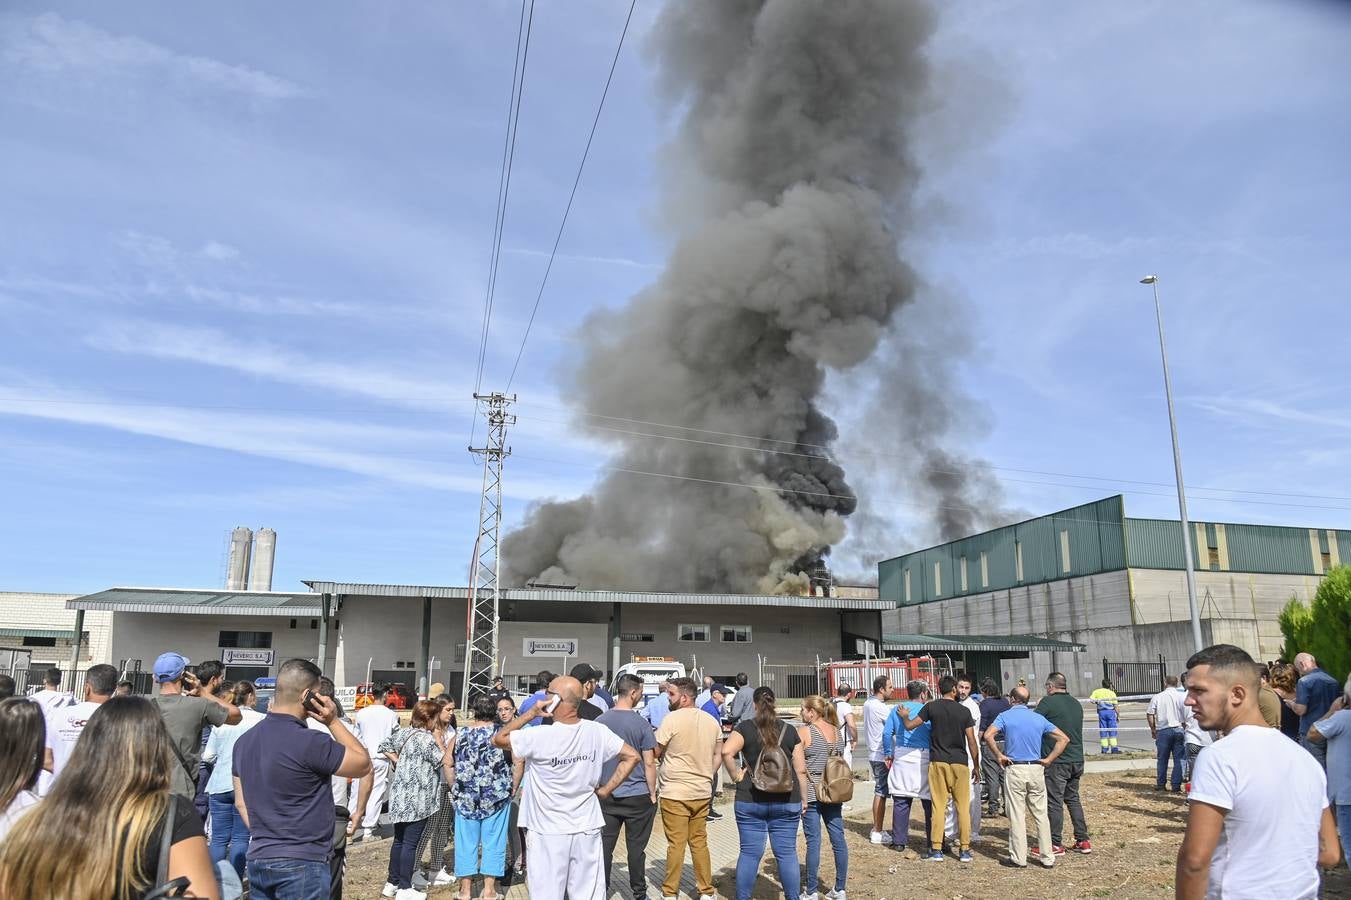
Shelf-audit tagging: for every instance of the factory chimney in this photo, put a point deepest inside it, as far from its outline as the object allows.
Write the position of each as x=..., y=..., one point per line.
x=264, y=553
x=237, y=575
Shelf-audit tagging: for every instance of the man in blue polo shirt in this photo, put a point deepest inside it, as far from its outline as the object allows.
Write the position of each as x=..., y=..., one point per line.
x=1314, y=695
x=282, y=772
x=1025, y=774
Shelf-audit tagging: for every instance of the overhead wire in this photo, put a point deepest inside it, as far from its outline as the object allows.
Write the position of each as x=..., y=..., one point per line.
x=576, y=181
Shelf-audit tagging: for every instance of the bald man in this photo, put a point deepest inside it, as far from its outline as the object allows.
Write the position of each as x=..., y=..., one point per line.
x=561, y=792
x=1314, y=696
x=1258, y=822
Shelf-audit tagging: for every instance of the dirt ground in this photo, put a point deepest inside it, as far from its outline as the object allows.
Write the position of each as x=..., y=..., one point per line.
x=1135, y=833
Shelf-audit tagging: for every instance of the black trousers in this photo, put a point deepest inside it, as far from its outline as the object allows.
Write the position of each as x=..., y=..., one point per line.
x=1062, y=790
x=635, y=815
x=337, y=858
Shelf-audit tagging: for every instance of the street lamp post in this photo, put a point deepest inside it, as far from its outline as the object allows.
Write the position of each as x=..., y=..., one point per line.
x=1153, y=281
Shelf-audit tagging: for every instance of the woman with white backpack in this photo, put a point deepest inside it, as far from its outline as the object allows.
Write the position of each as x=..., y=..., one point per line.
x=829, y=785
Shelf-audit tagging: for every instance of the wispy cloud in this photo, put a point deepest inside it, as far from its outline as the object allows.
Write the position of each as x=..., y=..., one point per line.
x=51, y=44
x=210, y=347
x=218, y=251
x=584, y=258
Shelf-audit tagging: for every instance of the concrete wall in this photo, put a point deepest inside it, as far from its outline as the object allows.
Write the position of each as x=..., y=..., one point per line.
x=20, y=609
x=785, y=635
x=1161, y=596
x=145, y=636
x=1068, y=605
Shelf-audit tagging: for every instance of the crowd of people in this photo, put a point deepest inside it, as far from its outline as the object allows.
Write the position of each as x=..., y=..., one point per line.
x=195, y=792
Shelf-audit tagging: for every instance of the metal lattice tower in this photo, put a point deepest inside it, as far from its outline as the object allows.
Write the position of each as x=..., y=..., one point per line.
x=480, y=656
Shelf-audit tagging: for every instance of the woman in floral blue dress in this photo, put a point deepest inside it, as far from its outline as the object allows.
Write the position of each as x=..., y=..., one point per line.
x=414, y=793
x=482, y=781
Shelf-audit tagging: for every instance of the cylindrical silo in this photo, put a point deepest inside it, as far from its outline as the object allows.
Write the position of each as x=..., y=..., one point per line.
x=237, y=575
x=264, y=552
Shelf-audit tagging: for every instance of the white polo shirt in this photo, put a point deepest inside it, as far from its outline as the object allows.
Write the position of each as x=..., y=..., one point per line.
x=1168, y=707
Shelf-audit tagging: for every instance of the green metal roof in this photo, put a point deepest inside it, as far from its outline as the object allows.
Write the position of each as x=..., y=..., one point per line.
x=976, y=643
x=36, y=632
x=200, y=602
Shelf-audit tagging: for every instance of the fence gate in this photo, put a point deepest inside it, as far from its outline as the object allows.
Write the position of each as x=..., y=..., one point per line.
x=787, y=680
x=1135, y=677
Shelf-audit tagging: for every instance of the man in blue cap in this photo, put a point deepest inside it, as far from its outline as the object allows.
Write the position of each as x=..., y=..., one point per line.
x=185, y=716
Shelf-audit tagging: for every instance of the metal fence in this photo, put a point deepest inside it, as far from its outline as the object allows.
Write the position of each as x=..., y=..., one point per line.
x=30, y=680
x=1135, y=677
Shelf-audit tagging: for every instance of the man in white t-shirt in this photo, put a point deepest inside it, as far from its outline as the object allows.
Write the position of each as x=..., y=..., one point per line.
x=844, y=711
x=373, y=724
x=1258, y=825
x=66, y=723
x=51, y=696
x=1164, y=715
x=875, y=712
x=561, y=792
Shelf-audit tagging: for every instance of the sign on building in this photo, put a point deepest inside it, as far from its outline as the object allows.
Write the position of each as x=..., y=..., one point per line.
x=549, y=647
x=233, y=656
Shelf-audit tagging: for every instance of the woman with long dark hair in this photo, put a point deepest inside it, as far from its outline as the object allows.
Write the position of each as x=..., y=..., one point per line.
x=439, y=830
x=419, y=758
x=98, y=834
x=21, y=754
x=482, y=779
x=766, y=814
x=229, y=834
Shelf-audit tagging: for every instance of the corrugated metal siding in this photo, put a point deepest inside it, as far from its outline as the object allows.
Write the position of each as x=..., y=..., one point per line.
x=564, y=595
x=1095, y=540
x=1273, y=549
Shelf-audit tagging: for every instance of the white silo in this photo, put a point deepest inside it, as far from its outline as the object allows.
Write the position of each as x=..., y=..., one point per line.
x=264, y=553
x=237, y=575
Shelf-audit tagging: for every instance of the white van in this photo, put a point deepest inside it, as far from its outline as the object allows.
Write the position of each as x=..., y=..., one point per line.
x=653, y=670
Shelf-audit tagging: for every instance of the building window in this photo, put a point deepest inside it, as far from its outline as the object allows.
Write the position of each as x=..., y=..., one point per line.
x=907, y=585
x=293, y=623
x=1018, y=560
x=39, y=641
x=1214, y=553
x=736, y=634
x=963, y=572
x=695, y=633
x=261, y=640
x=1325, y=558
x=635, y=637
x=984, y=570
x=938, y=579
x=1065, y=564
x=314, y=624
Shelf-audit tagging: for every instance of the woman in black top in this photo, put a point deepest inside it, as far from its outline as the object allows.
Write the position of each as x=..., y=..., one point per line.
x=98, y=834
x=760, y=814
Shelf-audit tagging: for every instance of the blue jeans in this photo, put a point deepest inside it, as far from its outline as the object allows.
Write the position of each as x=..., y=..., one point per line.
x=1170, y=742
x=403, y=852
x=490, y=834
x=289, y=879
x=1344, y=829
x=753, y=822
x=832, y=814
x=229, y=834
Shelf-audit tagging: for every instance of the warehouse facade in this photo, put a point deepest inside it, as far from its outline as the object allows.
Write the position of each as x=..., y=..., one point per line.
x=1093, y=576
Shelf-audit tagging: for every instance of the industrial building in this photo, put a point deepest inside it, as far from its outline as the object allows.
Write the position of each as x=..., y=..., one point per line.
x=1116, y=585
x=416, y=634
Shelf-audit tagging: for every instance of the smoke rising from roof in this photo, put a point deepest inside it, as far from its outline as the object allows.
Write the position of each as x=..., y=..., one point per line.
x=793, y=165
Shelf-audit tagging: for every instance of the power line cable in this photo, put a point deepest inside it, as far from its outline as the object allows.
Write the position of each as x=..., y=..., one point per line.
x=571, y=196
x=504, y=179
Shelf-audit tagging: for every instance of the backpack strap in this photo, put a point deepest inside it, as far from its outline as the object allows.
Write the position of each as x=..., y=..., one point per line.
x=166, y=841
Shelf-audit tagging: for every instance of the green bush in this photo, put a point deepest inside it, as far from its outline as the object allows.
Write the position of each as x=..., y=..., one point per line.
x=1323, y=627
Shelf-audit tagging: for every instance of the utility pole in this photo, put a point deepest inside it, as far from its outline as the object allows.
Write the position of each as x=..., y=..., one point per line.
x=480, y=649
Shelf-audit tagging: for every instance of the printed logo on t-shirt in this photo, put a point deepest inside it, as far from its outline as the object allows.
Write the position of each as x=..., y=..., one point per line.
x=570, y=760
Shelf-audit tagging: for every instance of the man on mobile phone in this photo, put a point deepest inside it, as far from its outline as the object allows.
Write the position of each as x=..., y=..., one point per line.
x=283, y=774
x=561, y=792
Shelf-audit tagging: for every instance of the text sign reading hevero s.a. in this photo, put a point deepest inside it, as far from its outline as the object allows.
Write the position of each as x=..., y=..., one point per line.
x=237, y=657
x=549, y=646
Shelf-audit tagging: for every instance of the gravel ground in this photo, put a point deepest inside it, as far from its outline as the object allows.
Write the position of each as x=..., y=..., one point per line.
x=1135, y=833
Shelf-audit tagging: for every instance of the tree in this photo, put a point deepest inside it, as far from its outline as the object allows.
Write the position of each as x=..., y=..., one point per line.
x=1323, y=627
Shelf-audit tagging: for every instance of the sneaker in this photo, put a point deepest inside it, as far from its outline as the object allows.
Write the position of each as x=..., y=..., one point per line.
x=1105, y=751
x=812, y=896
x=1082, y=847
x=708, y=897
x=1045, y=864
x=1055, y=848
x=835, y=895
x=877, y=837
x=390, y=889
x=410, y=894
x=934, y=856
x=442, y=879
x=366, y=835
x=420, y=880
x=966, y=856
x=714, y=816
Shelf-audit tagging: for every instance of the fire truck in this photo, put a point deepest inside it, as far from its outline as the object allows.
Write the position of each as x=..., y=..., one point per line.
x=859, y=674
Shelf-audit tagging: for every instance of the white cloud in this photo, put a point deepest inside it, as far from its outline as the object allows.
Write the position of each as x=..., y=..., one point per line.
x=219, y=252
x=51, y=44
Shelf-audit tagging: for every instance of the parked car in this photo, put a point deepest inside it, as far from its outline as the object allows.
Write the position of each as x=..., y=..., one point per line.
x=267, y=689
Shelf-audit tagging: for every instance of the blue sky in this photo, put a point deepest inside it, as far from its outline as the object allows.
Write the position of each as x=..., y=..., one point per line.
x=243, y=256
